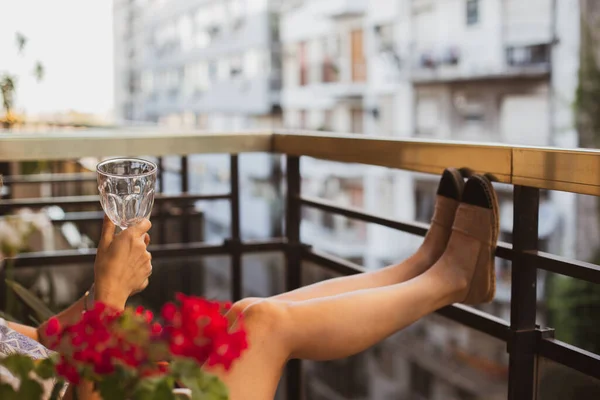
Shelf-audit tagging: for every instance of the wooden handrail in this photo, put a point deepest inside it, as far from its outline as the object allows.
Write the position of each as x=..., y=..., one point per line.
x=576, y=170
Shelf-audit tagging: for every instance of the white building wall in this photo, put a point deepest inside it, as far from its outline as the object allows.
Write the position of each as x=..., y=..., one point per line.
x=383, y=11
x=528, y=22
x=303, y=23
x=524, y=119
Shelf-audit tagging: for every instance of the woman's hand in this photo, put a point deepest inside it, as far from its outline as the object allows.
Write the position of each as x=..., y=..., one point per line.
x=123, y=264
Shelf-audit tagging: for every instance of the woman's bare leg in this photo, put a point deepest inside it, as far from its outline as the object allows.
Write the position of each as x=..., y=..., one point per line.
x=342, y=325
x=397, y=273
x=449, y=193
x=431, y=250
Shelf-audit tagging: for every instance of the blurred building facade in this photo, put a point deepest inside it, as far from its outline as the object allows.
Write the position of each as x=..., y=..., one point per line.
x=201, y=64
x=485, y=70
x=204, y=64
x=482, y=70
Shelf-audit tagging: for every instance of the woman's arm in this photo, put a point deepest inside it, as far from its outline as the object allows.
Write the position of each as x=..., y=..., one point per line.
x=121, y=268
x=68, y=316
x=28, y=331
x=85, y=390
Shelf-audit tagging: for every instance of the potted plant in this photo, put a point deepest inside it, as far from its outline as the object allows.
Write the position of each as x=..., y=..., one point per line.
x=129, y=355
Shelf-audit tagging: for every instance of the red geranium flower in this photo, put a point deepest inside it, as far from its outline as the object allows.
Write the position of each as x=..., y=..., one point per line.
x=68, y=371
x=53, y=328
x=105, y=339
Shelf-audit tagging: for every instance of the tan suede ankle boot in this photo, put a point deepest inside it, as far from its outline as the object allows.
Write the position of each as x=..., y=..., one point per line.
x=477, y=217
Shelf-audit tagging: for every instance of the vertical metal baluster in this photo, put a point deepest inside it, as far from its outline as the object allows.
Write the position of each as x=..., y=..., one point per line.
x=186, y=275
x=294, y=264
x=521, y=382
x=185, y=237
x=234, y=242
x=161, y=188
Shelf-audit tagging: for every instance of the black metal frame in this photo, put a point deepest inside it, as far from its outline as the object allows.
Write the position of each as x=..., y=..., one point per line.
x=525, y=341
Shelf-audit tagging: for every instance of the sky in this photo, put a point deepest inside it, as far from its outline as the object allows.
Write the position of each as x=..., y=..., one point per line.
x=73, y=40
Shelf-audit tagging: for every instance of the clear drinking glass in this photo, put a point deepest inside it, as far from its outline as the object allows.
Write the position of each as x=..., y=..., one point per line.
x=126, y=187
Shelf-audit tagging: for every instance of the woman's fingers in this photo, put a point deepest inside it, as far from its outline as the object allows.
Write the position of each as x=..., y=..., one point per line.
x=139, y=229
x=144, y=286
x=108, y=232
x=147, y=239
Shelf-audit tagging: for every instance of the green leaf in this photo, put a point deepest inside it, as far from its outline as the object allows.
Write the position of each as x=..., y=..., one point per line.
x=181, y=367
x=204, y=386
x=192, y=384
x=111, y=387
x=20, y=365
x=155, y=389
x=30, y=389
x=163, y=390
x=214, y=388
x=7, y=392
x=45, y=368
x=32, y=301
x=188, y=372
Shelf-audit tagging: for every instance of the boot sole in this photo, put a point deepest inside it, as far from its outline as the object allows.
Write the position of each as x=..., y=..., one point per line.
x=493, y=199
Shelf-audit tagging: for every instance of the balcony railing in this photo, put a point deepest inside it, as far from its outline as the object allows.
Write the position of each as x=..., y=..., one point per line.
x=527, y=169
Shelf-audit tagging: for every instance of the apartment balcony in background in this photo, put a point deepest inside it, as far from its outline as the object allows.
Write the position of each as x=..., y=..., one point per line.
x=253, y=96
x=463, y=63
x=324, y=95
x=534, y=353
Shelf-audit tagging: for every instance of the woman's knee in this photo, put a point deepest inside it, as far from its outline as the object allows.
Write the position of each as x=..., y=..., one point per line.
x=239, y=306
x=264, y=316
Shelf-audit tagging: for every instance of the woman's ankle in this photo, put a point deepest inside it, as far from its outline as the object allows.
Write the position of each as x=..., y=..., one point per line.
x=434, y=245
x=450, y=282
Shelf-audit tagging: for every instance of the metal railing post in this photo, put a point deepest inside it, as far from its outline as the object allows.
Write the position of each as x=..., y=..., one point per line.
x=294, y=264
x=187, y=275
x=185, y=236
x=521, y=343
x=234, y=242
x=161, y=211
